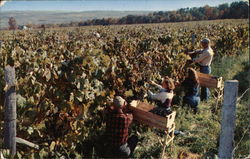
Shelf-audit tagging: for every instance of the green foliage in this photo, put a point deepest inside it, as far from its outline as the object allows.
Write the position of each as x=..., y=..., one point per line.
x=66, y=77
x=242, y=135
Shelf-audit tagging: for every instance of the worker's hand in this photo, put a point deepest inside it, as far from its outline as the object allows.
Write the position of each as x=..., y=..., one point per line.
x=130, y=117
x=152, y=82
x=16, y=85
x=6, y=88
x=17, y=64
x=177, y=83
x=125, y=109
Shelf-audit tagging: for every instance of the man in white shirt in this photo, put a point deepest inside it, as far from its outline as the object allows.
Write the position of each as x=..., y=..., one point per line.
x=204, y=59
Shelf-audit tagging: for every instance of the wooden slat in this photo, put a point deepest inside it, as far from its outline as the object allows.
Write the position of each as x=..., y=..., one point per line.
x=145, y=106
x=209, y=81
x=170, y=120
x=203, y=75
x=169, y=140
x=142, y=115
x=219, y=84
x=145, y=114
x=148, y=119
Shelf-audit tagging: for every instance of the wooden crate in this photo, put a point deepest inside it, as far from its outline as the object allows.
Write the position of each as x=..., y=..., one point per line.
x=209, y=81
x=142, y=115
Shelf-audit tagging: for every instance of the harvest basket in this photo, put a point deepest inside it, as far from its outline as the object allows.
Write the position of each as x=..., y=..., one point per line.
x=209, y=81
x=142, y=115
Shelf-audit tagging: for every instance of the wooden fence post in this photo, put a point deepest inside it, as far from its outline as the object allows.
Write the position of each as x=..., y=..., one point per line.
x=228, y=119
x=10, y=111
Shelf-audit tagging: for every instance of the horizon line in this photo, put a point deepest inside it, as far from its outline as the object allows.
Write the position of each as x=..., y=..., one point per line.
x=83, y=11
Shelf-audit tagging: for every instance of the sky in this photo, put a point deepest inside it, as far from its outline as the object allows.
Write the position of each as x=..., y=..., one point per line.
x=119, y=5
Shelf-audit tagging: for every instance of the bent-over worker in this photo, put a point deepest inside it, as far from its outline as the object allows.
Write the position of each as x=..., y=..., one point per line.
x=191, y=89
x=117, y=124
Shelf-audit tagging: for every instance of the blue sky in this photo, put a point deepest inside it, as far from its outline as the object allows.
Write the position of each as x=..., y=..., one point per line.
x=121, y=5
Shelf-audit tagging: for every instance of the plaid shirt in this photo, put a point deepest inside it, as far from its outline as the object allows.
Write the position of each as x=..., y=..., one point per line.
x=117, y=128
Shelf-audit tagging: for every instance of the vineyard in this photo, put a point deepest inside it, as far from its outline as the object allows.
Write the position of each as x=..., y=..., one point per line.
x=67, y=76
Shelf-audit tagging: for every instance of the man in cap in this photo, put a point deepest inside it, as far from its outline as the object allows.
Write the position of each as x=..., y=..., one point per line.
x=117, y=125
x=204, y=59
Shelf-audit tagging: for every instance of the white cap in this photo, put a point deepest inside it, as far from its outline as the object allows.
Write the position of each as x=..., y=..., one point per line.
x=119, y=101
x=205, y=40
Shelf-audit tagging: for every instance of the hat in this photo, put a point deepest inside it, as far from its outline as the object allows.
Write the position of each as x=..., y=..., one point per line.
x=205, y=40
x=119, y=101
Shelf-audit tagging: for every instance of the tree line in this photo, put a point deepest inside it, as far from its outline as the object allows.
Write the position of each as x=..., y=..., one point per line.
x=235, y=10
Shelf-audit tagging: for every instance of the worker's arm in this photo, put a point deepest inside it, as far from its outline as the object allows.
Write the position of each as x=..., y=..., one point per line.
x=126, y=109
x=154, y=96
x=6, y=87
x=162, y=96
x=194, y=52
x=201, y=57
x=107, y=111
x=155, y=84
x=129, y=118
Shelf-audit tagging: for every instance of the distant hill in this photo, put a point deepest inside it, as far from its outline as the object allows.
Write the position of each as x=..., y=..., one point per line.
x=236, y=10
x=59, y=17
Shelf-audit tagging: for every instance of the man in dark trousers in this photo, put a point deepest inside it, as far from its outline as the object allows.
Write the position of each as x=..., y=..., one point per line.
x=204, y=60
x=117, y=124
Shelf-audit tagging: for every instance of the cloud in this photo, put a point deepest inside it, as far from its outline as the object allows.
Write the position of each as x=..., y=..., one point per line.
x=2, y=3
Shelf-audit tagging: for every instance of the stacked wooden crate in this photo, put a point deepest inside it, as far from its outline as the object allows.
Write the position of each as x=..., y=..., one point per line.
x=210, y=81
x=141, y=114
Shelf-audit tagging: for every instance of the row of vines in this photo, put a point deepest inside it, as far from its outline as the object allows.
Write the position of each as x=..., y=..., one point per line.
x=67, y=76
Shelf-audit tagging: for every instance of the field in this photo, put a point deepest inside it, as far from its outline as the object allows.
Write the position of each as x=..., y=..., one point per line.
x=57, y=17
x=66, y=77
